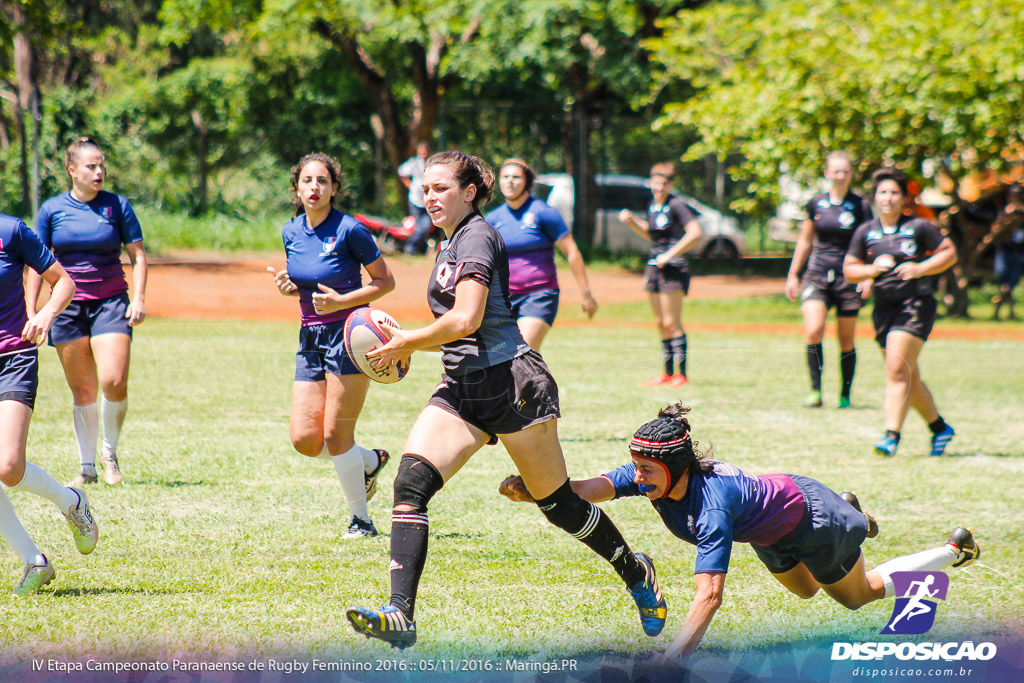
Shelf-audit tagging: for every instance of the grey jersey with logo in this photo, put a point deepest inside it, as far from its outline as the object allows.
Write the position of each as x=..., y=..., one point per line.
x=911, y=240
x=476, y=251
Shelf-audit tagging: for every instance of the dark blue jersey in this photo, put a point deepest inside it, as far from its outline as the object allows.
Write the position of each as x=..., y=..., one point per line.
x=19, y=247
x=721, y=507
x=476, y=251
x=911, y=239
x=86, y=237
x=834, y=225
x=530, y=233
x=330, y=254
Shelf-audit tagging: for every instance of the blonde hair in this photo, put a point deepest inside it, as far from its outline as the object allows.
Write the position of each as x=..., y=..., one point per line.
x=76, y=147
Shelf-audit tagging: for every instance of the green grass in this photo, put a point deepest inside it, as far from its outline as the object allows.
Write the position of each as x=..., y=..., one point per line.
x=167, y=232
x=224, y=543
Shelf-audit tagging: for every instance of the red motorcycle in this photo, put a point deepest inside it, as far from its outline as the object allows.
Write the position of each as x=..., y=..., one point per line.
x=391, y=237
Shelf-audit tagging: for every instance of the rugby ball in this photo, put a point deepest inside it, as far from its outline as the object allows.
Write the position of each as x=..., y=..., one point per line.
x=366, y=330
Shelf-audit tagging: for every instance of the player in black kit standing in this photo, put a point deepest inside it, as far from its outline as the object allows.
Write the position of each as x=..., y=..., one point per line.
x=831, y=219
x=494, y=386
x=901, y=253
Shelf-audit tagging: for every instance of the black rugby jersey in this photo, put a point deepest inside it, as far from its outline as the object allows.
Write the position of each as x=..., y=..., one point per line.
x=666, y=225
x=911, y=240
x=476, y=250
x=834, y=225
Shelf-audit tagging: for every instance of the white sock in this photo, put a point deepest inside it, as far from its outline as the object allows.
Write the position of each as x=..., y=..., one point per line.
x=14, y=532
x=370, y=458
x=349, y=466
x=86, y=420
x=926, y=560
x=113, y=418
x=37, y=481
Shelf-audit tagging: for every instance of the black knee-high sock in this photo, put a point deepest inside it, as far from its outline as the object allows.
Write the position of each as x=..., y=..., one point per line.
x=409, y=536
x=415, y=484
x=848, y=366
x=679, y=352
x=815, y=363
x=587, y=523
x=666, y=355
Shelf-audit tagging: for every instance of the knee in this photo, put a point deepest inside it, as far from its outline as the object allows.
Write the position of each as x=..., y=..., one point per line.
x=898, y=372
x=308, y=444
x=115, y=386
x=84, y=394
x=416, y=483
x=338, y=442
x=567, y=511
x=851, y=603
x=12, y=470
x=804, y=592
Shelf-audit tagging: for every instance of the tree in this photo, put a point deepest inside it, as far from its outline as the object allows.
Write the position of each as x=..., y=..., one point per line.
x=782, y=82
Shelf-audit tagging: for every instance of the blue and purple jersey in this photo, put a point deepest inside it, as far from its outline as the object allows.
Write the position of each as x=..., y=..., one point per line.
x=530, y=233
x=330, y=254
x=721, y=507
x=86, y=238
x=19, y=247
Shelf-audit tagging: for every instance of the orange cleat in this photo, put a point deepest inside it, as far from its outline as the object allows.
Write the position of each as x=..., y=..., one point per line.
x=678, y=380
x=657, y=381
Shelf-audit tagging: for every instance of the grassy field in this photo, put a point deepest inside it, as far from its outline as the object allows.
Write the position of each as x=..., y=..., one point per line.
x=223, y=543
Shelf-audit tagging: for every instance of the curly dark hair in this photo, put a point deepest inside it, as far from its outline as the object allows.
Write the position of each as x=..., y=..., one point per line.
x=889, y=173
x=332, y=168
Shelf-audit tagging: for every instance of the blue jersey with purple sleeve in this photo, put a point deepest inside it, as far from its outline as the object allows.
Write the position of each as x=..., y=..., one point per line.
x=86, y=237
x=530, y=233
x=19, y=247
x=331, y=254
x=721, y=507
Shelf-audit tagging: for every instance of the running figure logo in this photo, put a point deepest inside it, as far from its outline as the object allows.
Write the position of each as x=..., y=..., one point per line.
x=914, y=613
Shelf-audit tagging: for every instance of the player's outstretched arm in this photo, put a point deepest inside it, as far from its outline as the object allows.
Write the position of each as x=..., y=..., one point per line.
x=596, y=490
x=705, y=603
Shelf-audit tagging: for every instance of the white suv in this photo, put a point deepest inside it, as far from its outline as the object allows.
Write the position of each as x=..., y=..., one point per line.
x=722, y=236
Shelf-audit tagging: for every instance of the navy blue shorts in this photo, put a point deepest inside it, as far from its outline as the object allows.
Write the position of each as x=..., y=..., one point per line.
x=503, y=399
x=668, y=279
x=914, y=316
x=91, y=319
x=829, y=287
x=19, y=377
x=322, y=350
x=827, y=540
x=542, y=304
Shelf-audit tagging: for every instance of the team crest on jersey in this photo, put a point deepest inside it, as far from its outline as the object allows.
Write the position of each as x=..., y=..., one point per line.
x=661, y=220
x=329, y=244
x=446, y=276
x=874, y=235
x=824, y=203
x=909, y=249
x=691, y=525
x=107, y=212
x=846, y=219
x=530, y=220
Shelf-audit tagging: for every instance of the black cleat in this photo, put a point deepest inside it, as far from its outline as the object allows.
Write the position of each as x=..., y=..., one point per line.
x=851, y=498
x=967, y=549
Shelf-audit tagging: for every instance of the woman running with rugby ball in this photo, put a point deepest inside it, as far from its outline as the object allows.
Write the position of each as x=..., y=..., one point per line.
x=902, y=253
x=85, y=228
x=673, y=230
x=831, y=219
x=20, y=334
x=324, y=250
x=807, y=535
x=494, y=387
x=531, y=230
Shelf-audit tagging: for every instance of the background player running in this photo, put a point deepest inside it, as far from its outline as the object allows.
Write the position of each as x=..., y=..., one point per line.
x=673, y=230
x=85, y=228
x=901, y=253
x=531, y=230
x=831, y=220
x=494, y=387
x=808, y=536
x=19, y=380
x=324, y=250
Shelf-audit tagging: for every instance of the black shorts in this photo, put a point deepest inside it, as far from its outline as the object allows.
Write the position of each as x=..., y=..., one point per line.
x=668, y=279
x=914, y=316
x=830, y=287
x=19, y=377
x=503, y=399
x=91, y=318
x=827, y=541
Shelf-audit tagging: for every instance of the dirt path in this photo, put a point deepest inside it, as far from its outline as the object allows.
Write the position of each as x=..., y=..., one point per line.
x=240, y=288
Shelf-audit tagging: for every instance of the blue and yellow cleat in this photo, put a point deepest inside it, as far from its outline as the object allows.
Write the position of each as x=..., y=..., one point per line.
x=887, y=446
x=388, y=624
x=648, y=598
x=941, y=440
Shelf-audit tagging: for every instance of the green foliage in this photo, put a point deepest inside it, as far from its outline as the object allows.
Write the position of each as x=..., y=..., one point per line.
x=784, y=82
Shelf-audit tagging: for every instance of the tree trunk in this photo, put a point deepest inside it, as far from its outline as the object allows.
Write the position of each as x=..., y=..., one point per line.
x=201, y=158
